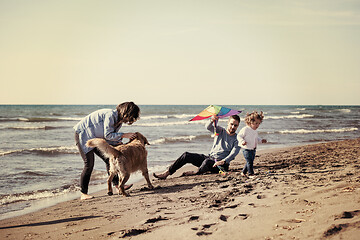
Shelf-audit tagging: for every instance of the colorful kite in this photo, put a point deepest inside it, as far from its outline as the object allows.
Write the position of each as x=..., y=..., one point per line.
x=212, y=110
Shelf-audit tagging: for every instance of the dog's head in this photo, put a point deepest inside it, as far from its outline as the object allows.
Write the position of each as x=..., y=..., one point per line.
x=141, y=138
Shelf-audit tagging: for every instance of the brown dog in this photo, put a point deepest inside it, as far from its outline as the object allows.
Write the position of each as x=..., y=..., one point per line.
x=124, y=160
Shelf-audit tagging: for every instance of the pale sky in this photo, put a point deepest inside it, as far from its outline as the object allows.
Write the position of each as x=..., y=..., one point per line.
x=180, y=52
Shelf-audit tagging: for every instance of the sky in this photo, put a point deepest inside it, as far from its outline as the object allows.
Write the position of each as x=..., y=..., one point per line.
x=259, y=52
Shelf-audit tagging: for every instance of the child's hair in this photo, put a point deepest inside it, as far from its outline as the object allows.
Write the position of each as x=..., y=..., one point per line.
x=128, y=111
x=252, y=117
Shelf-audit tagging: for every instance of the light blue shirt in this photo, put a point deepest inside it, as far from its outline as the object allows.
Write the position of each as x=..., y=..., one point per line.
x=225, y=147
x=99, y=124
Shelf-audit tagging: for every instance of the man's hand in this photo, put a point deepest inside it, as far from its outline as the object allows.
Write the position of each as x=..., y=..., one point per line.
x=214, y=118
x=263, y=141
x=219, y=163
x=244, y=143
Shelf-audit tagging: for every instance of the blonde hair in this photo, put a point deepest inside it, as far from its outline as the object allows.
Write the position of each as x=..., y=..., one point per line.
x=252, y=117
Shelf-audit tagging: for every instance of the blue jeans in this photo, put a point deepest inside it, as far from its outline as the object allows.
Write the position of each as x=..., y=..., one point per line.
x=249, y=156
x=89, y=160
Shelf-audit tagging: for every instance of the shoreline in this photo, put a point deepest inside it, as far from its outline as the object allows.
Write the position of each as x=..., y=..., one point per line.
x=308, y=191
x=99, y=189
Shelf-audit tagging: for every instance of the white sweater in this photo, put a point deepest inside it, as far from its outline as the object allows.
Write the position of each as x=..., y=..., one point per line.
x=250, y=136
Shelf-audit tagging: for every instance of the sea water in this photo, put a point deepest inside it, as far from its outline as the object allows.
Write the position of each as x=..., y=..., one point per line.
x=40, y=164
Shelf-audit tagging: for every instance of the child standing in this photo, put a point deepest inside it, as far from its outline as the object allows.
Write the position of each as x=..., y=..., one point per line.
x=248, y=139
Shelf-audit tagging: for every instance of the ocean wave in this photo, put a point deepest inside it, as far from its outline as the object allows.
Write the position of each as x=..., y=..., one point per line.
x=43, y=151
x=34, y=128
x=306, y=131
x=33, y=174
x=177, y=139
x=76, y=119
x=6, y=119
x=154, y=117
x=98, y=177
x=172, y=123
x=37, y=195
x=343, y=110
x=39, y=119
x=169, y=116
x=290, y=116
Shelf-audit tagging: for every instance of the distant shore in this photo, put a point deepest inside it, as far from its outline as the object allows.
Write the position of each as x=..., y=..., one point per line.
x=304, y=192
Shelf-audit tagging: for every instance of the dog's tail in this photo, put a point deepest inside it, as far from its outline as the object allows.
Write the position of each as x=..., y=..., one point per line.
x=106, y=149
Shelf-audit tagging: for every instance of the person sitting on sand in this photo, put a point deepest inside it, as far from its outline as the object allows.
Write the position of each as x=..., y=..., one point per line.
x=248, y=139
x=103, y=123
x=224, y=149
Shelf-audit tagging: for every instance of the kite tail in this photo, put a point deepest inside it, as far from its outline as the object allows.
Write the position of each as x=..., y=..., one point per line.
x=215, y=133
x=221, y=170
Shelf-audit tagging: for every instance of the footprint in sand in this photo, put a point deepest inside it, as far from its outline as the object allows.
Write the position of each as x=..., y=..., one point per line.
x=202, y=233
x=205, y=229
x=223, y=218
x=132, y=232
x=242, y=216
x=157, y=219
x=193, y=218
x=260, y=196
x=232, y=206
x=348, y=214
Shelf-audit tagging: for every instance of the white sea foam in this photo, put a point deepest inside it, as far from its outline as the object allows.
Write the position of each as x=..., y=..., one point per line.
x=34, y=128
x=172, y=139
x=70, y=118
x=28, y=128
x=344, y=110
x=305, y=131
x=150, y=117
x=290, y=116
x=47, y=119
x=188, y=116
x=35, y=195
x=45, y=150
x=179, y=116
x=172, y=123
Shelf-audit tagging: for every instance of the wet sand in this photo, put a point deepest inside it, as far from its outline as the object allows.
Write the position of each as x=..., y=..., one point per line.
x=306, y=192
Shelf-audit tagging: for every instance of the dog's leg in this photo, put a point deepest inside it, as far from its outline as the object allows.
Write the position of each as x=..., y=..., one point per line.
x=145, y=173
x=109, y=181
x=122, y=184
x=120, y=180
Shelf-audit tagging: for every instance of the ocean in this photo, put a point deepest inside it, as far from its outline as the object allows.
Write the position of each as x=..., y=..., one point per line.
x=40, y=164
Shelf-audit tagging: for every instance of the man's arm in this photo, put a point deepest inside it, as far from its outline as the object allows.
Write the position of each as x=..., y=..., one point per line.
x=210, y=125
x=234, y=152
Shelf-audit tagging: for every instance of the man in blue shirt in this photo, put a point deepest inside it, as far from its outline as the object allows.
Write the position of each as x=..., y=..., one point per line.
x=224, y=150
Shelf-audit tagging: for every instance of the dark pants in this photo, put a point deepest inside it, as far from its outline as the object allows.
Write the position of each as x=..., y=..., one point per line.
x=89, y=160
x=203, y=162
x=249, y=156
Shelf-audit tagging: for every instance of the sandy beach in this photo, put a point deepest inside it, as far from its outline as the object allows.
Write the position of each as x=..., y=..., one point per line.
x=306, y=192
